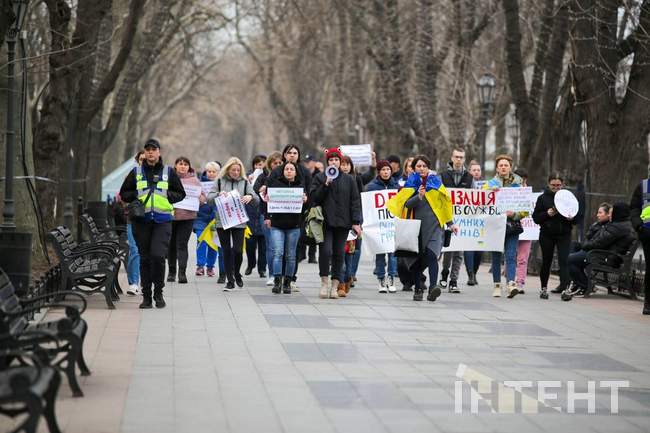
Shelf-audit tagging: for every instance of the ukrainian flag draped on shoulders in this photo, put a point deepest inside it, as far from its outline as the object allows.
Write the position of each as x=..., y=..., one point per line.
x=436, y=195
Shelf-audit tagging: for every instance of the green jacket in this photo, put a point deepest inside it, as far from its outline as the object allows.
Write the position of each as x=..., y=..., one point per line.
x=314, y=224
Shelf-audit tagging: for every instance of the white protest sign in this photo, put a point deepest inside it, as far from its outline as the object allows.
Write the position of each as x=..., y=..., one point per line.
x=531, y=230
x=481, y=227
x=360, y=154
x=253, y=177
x=513, y=199
x=285, y=200
x=566, y=203
x=191, y=200
x=206, y=186
x=378, y=223
x=231, y=210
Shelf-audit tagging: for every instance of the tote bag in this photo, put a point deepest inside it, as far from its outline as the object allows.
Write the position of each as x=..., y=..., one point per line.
x=407, y=233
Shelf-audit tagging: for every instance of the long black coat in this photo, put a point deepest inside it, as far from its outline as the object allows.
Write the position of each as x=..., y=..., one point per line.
x=340, y=200
x=553, y=226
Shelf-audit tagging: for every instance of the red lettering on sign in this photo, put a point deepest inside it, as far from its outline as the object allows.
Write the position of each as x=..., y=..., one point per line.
x=380, y=201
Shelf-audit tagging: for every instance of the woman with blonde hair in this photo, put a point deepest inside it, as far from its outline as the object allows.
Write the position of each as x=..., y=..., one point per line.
x=232, y=178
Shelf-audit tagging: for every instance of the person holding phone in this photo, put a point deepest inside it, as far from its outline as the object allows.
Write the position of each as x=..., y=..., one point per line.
x=340, y=200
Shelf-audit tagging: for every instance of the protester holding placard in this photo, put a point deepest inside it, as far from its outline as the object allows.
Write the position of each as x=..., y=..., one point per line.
x=206, y=255
x=473, y=258
x=505, y=178
x=232, y=179
x=255, y=244
x=523, y=245
x=385, y=264
x=184, y=216
x=555, y=232
x=273, y=161
x=341, y=206
x=284, y=225
x=353, y=255
x=425, y=198
x=456, y=176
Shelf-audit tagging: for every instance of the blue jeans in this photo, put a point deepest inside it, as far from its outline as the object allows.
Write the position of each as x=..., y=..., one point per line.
x=269, y=247
x=472, y=260
x=204, y=254
x=380, y=265
x=510, y=251
x=351, y=262
x=133, y=265
x=284, y=242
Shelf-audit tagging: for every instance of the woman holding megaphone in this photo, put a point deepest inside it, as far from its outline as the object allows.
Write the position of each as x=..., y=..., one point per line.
x=338, y=195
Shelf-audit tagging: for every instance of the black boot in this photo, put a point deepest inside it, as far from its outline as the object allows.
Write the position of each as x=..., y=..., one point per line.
x=182, y=278
x=471, y=279
x=146, y=302
x=171, y=275
x=434, y=292
x=418, y=294
x=286, y=286
x=646, y=306
x=221, y=279
x=158, y=298
x=277, y=285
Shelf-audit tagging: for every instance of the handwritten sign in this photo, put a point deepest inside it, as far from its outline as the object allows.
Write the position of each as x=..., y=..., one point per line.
x=191, y=200
x=531, y=230
x=481, y=226
x=206, y=186
x=230, y=210
x=285, y=200
x=378, y=222
x=360, y=154
x=513, y=199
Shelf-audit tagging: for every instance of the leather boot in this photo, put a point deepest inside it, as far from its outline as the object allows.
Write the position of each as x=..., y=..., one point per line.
x=277, y=285
x=471, y=279
x=418, y=294
x=146, y=302
x=182, y=278
x=340, y=290
x=286, y=286
x=434, y=292
x=347, y=286
x=171, y=275
x=324, y=288
x=334, y=289
x=646, y=306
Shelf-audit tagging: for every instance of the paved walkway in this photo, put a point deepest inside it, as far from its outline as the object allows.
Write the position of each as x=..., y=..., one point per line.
x=250, y=361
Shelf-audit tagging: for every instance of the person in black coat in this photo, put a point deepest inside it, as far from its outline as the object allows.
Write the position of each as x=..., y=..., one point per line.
x=555, y=231
x=456, y=176
x=617, y=237
x=341, y=205
x=285, y=230
x=640, y=201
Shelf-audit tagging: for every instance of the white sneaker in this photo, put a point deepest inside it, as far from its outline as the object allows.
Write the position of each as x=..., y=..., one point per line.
x=294, y=287
x=270, y=282
x=382, y=285
x=133, y=290
x=391, y=284
x=496, y=293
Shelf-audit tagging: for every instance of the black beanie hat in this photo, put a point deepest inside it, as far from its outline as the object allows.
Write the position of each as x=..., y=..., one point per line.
x=620, y=211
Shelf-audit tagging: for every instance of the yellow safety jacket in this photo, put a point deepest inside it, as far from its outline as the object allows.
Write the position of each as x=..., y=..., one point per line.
x=157, y=205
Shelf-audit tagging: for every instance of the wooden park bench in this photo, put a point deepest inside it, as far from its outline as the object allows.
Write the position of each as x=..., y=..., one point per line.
x=69, y=331
x=115, y=236
x=87, y=268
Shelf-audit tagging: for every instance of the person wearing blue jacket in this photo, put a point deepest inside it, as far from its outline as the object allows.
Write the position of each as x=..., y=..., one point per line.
x=384, y=180
x=205, y=255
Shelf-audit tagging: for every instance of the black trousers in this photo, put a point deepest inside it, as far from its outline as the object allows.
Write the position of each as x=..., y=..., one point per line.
x=644, y=237
x=256, y=253
x=232, y=243
x=332, y=251
x=153, y=244
x=181, y=231
x=548, y=244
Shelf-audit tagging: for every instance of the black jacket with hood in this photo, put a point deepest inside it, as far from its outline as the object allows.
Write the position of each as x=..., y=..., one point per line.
x=617, y=236
x=453, y=179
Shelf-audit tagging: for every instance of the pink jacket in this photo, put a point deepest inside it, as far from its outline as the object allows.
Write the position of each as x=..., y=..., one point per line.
x=188, y=179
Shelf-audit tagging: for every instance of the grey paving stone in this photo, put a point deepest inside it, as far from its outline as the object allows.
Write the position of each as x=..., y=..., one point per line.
x=518, y=329
x=585, y=361
x=298, y=321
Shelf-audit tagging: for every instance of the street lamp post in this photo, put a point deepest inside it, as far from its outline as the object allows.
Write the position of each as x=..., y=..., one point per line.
x=485, y=87
x=9, y=210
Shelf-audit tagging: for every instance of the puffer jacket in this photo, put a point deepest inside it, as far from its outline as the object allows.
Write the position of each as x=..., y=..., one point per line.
x=377, y=184
x=556, y=225
x=340, y=200
x=227, y=184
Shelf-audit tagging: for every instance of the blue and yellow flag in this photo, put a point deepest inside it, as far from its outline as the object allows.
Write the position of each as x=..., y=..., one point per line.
x=207, y=236
x=436, y=195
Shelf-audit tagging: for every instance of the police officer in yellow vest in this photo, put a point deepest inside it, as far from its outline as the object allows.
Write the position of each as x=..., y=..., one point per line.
x=640, y=217
x=157, y=186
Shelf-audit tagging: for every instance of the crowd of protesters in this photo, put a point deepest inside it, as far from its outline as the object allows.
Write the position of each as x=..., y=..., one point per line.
x=331, y=221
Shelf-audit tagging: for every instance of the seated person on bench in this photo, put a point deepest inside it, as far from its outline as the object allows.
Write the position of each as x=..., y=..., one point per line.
x=617, y=237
